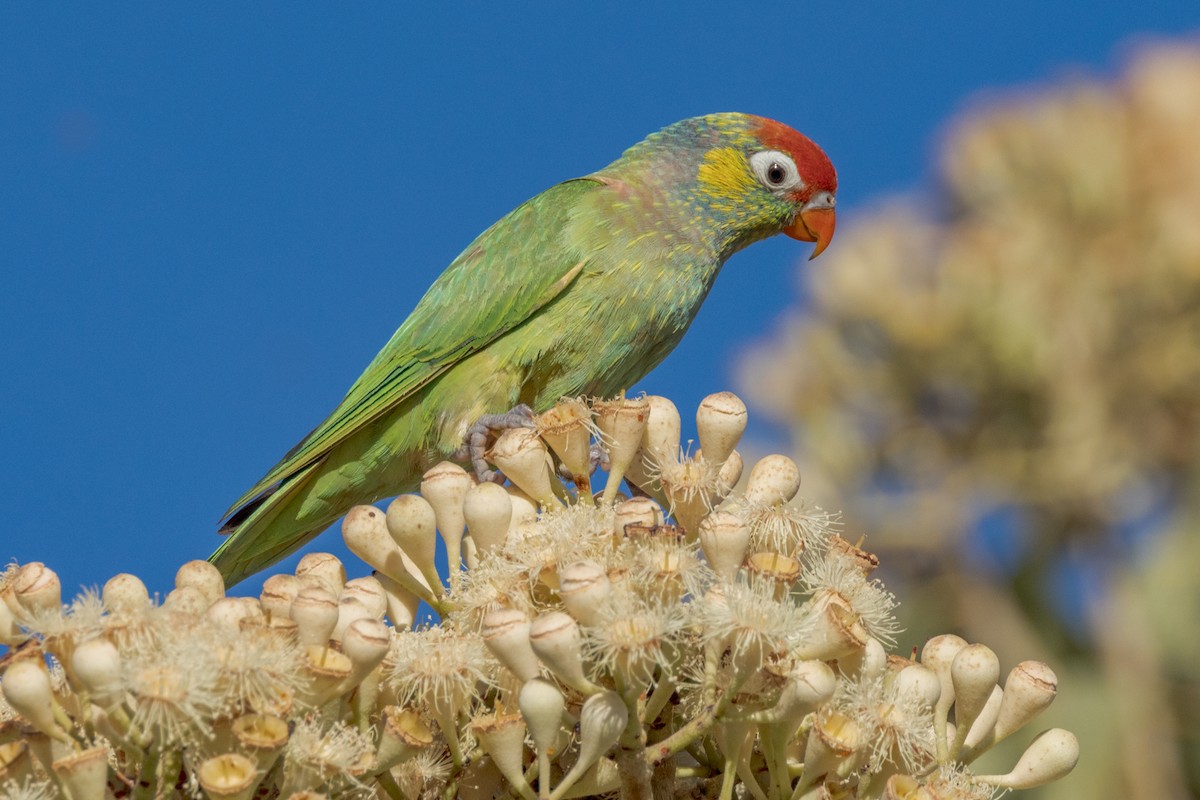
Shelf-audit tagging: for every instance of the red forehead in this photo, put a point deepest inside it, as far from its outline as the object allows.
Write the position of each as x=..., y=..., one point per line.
x=814, y=166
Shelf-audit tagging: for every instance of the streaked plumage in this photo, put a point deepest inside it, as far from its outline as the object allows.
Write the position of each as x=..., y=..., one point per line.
x=581, y=290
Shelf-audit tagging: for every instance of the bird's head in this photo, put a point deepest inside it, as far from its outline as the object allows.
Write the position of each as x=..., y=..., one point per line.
x=754, y=176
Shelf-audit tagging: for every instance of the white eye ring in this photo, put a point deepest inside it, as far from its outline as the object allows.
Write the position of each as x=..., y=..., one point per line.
x=776, y=171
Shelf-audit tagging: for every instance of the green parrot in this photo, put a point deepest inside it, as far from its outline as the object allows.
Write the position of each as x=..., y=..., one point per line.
x=581, y=290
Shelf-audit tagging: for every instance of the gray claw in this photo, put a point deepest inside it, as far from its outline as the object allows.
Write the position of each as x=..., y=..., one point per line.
x=485, y=429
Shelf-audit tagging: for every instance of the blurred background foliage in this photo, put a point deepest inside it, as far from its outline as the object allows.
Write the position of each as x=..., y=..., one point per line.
x=998, y=382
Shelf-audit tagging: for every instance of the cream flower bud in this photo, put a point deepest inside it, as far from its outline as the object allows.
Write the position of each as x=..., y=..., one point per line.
x=230, y=776
x=10, y=633
x=402, y=605
x=542, y=706
x=981, y=728
x=661, y=439
x=231, y=612
x=186, y=600
x=502, y=737
x=636, y=511
x=261, y=737
x=601, y=723
x=919, y=680
x=365, y=533
x=729, y=474
x=566, y=428
x=37, y=588
x=368, y=591
x=773, y=480
x=350, y=610
x=1049, y=757
x=26, y=687
x=583, y=587
x=413, y=525
x=487, y=510
x=445, y=487
x=324, y=569
x=365, y=643
x=523, y=458
x=974, y=672
x=125, y=594
x=85, y=774
x=720, y=422
x=203, y=576
x=621, y=422
x=524, y=511
x=869, y=662
x=96, y=664
x=1028, y=691
x=316, y=613
x=938, y=655
x=809, y=685
x=403, y=734
x=277, y=594
x=724, y=538
x=506, y=634
x=558, y=643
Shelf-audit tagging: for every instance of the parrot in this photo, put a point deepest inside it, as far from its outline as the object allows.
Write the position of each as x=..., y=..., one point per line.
x=579, y=291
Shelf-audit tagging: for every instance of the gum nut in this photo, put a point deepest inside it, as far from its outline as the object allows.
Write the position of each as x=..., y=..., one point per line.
x=125, y=594
x=488, y=511
x=368, y=591
x=662, y=435
x=720, y=422
x=203, y=576
x=325, y=569
x=1031, y=687
x=413, y=525
x=773, y=480
x=277, y=594
x=37, y=588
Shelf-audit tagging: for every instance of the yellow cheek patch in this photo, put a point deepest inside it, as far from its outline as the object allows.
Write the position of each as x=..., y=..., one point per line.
x=725, y=175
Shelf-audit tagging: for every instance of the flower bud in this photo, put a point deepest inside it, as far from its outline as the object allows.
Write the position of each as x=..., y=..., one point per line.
x=583, y=587
x=621, y=423
x=368, y=591
x=125, y=594
x=316, y=613
x=974, y=672
x=187, y=600
x=556, y=640
x=367, y=536
x=488, y=510
x=523, y=458
x=37, y=588
x=636, y=511
x=412, y=523
x=231, y=612
x=231, y=775
x=1028, y=691
x=203, y=576
x=402, y=604
x=720, y=422
x=542, y=706
x=506, y=634
x=96, y=665
x=445, y=486
x=365, y=643
x=26, y=687
x=1052, y=755
x=774, y=480
x=601, y=723
x=724, y=537
x=277, y=594
x=350, y=610
x=323, y=569
x=919, y=680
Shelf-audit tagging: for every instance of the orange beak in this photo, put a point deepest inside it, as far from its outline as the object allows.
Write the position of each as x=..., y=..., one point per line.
x=813, y=225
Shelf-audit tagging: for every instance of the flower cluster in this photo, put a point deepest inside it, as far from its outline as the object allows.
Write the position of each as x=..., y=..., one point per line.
x=693, y=639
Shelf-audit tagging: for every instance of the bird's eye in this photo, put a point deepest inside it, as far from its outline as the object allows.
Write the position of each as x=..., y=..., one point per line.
x=776, y=170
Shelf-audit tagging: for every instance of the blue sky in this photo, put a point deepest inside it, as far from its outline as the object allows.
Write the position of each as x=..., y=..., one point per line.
x=212, y=217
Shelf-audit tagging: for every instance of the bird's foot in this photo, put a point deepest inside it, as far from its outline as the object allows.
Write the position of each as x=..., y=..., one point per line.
x=484, y=432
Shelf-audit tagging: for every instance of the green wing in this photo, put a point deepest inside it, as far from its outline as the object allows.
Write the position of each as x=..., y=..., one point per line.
x=513, y=269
